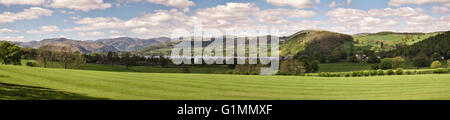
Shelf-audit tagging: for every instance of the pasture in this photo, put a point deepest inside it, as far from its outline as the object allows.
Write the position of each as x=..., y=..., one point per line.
x=86, y=84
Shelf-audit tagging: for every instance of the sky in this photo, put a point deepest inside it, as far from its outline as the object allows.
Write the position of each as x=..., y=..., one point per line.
x=29, y=20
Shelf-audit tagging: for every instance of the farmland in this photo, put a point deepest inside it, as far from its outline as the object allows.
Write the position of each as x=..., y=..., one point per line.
x=85, y=84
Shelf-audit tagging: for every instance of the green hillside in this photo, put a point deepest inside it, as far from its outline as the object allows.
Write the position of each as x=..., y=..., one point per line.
x=83, y=84
x=312, y=40
x=385, y=41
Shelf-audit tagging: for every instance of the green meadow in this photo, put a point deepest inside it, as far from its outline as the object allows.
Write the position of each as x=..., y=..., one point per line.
x=21, y=82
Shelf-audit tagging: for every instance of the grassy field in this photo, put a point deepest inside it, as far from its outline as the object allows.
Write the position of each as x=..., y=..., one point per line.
x=84, y=84
x=146, y=69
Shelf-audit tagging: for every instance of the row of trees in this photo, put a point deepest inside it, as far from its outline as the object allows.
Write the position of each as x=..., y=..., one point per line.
x=66, y=58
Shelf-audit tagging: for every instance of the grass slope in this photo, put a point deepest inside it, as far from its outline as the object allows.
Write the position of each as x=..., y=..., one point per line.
x=325, y=40
x=129, y=85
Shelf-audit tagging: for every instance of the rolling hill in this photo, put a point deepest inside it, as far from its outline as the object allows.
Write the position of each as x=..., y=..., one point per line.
x=385, y=41
x=132, y=44
x=96, y=46
x=74, y=45
x=308, y=41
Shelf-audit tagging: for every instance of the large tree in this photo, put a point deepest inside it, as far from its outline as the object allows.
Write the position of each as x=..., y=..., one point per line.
x=65, y=57
x=44, y=55
x=10, y=53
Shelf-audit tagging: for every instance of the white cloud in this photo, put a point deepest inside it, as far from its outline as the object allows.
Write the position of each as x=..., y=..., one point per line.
x=44, y=29
x=397, y=3
x=375, y=20
x=30, y=13
x=22, y=2
x=90, y=34
x=6, y=30
x=83, y=5
x=349, y=2
x=404, y=11
x=12, y=38
x=440, y=10
x=115, y=32
x=174, y=3
x=294, y=3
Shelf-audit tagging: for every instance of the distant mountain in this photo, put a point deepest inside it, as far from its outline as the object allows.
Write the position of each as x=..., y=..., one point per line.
x=132, y=44
x=96, y=46
x=74, y=45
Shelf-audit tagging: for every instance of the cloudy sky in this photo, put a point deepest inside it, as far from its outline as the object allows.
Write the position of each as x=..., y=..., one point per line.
x=27, y=20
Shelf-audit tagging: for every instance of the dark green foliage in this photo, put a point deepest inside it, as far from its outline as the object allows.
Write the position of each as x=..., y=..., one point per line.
x=390, y=72
x=380, y=72
x=375, y=66
x=373, y=59
x=439, y=44
x=440, y=70
x=10, y=53
x=421, y=61
x=348, y=74
x=32, y=64
x=399, y=71
x=386, y=64
x=373, y=72
x=366, y=73
x=408, y=72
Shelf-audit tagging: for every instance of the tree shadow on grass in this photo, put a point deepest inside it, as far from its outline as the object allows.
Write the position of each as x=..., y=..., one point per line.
x=20, y=92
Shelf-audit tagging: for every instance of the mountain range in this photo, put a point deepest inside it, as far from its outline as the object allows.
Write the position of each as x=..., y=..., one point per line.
x=94, y=46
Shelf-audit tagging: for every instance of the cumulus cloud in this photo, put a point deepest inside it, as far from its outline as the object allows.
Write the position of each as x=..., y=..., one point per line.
x=397, y=3
x=356, y=21
x=174, y=3
x=44, y=29
x=83, y=5
x=294, y=3
x=90, y=34
x=6, y=30
x=22, y=2
x=12, y=38
x=30, y=13
x=440, y=10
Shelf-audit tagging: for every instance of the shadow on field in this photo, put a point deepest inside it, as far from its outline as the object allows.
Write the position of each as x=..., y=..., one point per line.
x=20, y=92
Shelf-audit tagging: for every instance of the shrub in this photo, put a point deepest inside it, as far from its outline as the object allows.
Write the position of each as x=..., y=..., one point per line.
x=32, y=64
x=389, y=72
x=347, y=74
x=254, y=73
x=408, y=72
x=399, y=71
x=436, y=64
x=229, y=72
x=380, y=72
x=355, y=73
x=440, y=70
x=366, y=73
x=373, y=73
x=360, y=73
x=386, y=64
x=374, y=66
x=397, y=62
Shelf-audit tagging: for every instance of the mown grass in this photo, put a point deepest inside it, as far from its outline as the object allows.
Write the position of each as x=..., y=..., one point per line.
x=145, y=69
x=131, y=85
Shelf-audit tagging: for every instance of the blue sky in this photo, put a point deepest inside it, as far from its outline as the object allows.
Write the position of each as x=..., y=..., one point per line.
x=27, y=20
